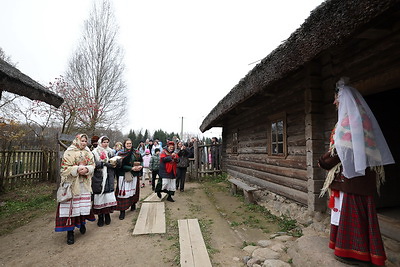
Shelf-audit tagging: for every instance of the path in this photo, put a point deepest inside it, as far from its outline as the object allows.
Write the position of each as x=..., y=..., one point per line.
x=36, y=244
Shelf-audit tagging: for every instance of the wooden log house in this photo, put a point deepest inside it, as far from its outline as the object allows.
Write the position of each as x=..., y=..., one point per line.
x=277, y=120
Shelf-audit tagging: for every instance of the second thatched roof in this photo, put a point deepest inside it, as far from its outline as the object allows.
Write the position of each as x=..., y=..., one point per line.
x=14, y=81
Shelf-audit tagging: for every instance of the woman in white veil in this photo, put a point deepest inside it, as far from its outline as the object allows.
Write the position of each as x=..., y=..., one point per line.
x=357, y=153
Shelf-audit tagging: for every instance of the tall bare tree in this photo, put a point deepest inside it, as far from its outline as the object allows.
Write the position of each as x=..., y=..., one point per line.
x=97, y=67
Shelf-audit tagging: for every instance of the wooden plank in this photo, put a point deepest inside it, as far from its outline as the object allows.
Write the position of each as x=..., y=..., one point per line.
x=192, y=246
x=199, y=249
x=151, y=219
x=154, y=198
x=186, y=256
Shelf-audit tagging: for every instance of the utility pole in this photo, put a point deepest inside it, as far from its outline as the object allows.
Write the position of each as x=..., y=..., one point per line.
x=182, y=128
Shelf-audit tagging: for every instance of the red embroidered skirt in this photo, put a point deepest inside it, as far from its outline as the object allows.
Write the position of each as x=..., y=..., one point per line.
x=126, y=203
x=69, y=224
x=358, y=235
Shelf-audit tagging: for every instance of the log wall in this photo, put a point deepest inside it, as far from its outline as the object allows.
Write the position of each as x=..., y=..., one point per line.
x=286, y=176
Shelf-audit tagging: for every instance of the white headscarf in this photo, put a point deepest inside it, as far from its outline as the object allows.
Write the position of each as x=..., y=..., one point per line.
x=102, y=154
x=358, y=138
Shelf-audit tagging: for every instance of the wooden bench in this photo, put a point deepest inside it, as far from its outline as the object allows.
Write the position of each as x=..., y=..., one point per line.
x=193, y=252
x=247, y=190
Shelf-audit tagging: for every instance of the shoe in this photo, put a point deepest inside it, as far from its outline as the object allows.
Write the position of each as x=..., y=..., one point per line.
x=142, y=185
x=107, y=219
x=70, y=237
x=122, y=215
x=159, y=194
x=351, y=261
x=133, y=207
x=100, y=221
x=82, y=229
x=169, y=198
x=182, y=190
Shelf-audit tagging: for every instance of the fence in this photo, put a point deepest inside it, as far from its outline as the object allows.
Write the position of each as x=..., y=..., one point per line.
x=206, y=161
x=23, y=167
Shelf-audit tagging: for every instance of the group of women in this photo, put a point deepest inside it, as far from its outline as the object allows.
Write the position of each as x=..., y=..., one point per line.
x=88, y=172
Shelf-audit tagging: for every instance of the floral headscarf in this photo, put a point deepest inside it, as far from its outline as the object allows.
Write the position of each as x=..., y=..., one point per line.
x=74, y=156
x=76, y=143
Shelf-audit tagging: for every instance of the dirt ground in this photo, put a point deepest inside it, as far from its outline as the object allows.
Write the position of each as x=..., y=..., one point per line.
x=226, y=223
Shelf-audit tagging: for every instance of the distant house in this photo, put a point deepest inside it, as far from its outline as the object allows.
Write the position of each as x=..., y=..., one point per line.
x=277, y=120
x=14, y=81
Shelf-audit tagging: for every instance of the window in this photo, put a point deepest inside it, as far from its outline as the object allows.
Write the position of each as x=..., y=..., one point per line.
x=235, y=143
x=278, y=135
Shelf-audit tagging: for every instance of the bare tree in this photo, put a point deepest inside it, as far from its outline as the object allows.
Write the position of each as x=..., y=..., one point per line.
x=97, y=66
x=77, y=104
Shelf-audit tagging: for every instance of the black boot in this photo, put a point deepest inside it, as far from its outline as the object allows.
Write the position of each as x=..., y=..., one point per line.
x=100, y=221
x=70, y=237
x=82, y=229
x=107, y=219
x=133, y=207
x=159, y=194
x=169, y=198
x=122, y=215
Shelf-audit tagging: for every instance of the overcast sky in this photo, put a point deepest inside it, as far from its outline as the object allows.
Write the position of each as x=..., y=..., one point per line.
x=181, y=57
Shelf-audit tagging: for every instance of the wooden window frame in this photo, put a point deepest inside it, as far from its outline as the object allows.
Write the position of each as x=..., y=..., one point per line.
x=275, y=142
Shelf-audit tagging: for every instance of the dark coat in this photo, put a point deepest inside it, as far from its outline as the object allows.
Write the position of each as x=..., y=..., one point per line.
x=97, y=179
x=164, y=159
x=360, y=185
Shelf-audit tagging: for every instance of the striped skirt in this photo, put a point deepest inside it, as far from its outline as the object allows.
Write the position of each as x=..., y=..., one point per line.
x=104, y=203
x=358, y=235
x=75, y=212
x=124, y=203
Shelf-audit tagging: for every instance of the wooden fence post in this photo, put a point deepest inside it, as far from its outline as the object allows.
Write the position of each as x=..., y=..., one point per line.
x=196, y=160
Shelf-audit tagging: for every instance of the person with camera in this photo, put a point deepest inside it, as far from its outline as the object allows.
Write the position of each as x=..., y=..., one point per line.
x=182, y=165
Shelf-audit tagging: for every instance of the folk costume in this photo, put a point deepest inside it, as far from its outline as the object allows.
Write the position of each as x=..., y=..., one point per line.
x=75, y=212
x=128, y=187
x=167, y=172
x=104, y=201
x=357, y=153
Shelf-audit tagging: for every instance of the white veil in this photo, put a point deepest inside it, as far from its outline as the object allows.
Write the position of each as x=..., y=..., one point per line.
x=358, y=138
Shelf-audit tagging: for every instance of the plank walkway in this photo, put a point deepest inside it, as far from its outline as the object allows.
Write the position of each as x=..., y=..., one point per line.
x=193, y=250
x=154, y=198
x=151, y=219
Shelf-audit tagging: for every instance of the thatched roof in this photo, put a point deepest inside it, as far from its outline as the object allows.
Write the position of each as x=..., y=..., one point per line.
x=14, y=81
x=329, y=25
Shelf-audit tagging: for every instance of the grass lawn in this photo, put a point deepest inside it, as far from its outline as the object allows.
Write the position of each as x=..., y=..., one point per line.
x=19, y=206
